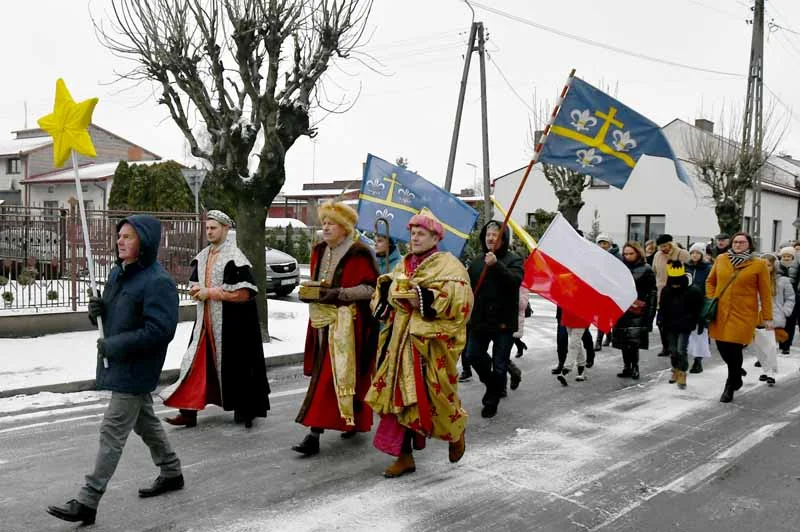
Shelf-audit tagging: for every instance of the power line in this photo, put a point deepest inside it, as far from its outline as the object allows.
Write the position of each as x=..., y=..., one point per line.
x=508, y=83
x=604, y=46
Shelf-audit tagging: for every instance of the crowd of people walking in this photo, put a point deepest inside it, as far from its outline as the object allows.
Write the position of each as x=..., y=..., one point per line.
x=387, y=331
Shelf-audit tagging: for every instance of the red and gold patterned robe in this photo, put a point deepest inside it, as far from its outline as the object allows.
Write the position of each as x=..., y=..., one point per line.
x=417, y=380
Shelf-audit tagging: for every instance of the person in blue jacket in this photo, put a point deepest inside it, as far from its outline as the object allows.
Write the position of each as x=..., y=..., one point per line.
x=386, y=253
x=139, y=312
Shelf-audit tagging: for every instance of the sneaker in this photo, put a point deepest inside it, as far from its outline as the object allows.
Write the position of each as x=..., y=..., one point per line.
x=581, y=376
x=563, y=377
x=557, y=370
x=784, y=351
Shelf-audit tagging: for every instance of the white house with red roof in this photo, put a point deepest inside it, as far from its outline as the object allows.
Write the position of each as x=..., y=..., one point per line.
x=27, y=174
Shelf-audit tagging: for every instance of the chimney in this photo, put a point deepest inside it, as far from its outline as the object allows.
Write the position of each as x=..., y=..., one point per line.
x=705, y=125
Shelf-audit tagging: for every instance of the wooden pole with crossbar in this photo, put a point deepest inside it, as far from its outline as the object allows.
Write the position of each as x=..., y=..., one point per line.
x=531, y=164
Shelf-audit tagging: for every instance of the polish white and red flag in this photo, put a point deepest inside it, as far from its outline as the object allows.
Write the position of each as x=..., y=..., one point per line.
x=580, y=277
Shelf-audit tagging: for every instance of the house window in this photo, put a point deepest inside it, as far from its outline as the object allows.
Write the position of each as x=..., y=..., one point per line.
x=85, y=188
x=88, y=205
x=13, y=166
x=51, y=207
x=777, y=229
x=530, y=219
x=747, y=225
x=644, y=227
x=51, y=189
x=597, y=183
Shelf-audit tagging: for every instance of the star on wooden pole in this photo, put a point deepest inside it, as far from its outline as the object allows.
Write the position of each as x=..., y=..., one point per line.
x=68, y=124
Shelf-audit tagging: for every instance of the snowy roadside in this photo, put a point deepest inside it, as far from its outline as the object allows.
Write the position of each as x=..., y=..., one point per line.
x=70, y=357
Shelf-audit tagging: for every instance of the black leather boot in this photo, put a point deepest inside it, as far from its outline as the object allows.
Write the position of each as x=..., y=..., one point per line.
x=635, y=372
x=162, y=485
x=727, y=394
x=625, y=373
x=697, y=366
x=73, y=511
x=309, y=446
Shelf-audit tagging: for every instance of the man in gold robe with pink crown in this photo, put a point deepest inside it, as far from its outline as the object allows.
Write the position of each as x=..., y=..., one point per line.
x=426, y=302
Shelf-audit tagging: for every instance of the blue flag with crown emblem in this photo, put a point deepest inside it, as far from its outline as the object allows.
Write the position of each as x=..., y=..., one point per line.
x=596, y=135
x=397, y=194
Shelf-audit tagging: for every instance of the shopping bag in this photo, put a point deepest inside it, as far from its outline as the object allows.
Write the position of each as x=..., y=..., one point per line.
x=766, y=350
x=698, y=345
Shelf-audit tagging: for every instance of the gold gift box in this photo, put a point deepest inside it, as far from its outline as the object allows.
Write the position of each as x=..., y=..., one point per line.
x=310, y=290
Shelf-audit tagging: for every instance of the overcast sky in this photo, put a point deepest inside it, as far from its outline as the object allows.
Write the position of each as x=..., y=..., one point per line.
x=408, y=110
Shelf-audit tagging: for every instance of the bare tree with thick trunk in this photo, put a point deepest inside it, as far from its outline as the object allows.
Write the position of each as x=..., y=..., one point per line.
x=567, y=184
x=727, y=168
x=246, y=72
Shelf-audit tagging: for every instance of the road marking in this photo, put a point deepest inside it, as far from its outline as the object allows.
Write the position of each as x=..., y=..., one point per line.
x=50, y=412
x=701, y=473
x=285, y=393
x=698, y=475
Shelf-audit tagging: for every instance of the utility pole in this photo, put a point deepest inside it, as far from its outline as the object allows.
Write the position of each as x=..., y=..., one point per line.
x=487, y=202
x=752, y=133
x=448, y=180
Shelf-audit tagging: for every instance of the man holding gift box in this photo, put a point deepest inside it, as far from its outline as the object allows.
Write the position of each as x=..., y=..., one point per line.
x=340, y=342
x=426, y=302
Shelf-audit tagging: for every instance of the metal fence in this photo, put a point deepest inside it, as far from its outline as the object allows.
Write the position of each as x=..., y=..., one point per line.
x=43, y=260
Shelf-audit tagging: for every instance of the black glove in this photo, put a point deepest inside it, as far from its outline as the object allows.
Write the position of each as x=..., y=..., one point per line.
x=101, y=348
x=96, y=308
x=329, y=295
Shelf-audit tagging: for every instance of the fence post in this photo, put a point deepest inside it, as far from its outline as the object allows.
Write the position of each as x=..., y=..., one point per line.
x=62, y=240
x=73, y=238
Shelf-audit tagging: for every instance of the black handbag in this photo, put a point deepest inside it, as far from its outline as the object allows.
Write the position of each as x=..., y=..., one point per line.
x=709, y=312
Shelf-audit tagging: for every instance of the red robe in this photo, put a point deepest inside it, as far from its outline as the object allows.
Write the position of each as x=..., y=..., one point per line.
x=320, y=407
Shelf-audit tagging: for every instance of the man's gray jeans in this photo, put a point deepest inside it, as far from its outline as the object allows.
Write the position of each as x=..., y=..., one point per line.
x=127, y=412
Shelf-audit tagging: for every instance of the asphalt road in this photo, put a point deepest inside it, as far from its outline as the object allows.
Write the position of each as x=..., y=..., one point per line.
x=604, y=454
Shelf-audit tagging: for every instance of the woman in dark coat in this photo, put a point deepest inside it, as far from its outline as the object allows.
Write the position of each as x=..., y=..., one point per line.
x=632, y=331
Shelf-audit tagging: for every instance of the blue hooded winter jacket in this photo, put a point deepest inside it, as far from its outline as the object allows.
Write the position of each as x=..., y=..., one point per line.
x=140, y=316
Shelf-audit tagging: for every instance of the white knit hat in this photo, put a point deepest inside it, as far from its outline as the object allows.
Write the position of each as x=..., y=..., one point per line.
x=603, y=237
x=788, y=250
x=698, y=246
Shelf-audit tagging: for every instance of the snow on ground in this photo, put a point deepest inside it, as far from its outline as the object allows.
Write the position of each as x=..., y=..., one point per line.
x=45, y=400
x=556, y=457
x=68, y=357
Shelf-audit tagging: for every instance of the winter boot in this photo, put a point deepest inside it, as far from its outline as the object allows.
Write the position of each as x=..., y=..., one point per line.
x=404, y=464
x=697, y=367
x=521, y=347
x=681, y=379
x=635, y=372
x=557, y=370
x=581, y=376
x=674, y=377
x=563, y=377
x=727, y=393
x=455, y=449
x=516, y=376
x=626, y=372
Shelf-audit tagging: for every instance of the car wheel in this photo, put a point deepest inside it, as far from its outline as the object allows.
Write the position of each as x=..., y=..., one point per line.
x=283, y=292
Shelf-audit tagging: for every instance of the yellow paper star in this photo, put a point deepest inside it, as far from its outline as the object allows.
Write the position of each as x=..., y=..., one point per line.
x=68, y=125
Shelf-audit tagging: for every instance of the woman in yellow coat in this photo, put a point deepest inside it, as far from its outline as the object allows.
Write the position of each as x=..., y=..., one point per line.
x=740, y=281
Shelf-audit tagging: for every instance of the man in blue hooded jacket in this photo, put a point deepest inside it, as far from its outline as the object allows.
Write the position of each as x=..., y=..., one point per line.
x=139, y=312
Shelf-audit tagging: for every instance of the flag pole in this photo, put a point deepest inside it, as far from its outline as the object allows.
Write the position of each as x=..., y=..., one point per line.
x=531, y=164
x=86, y=243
